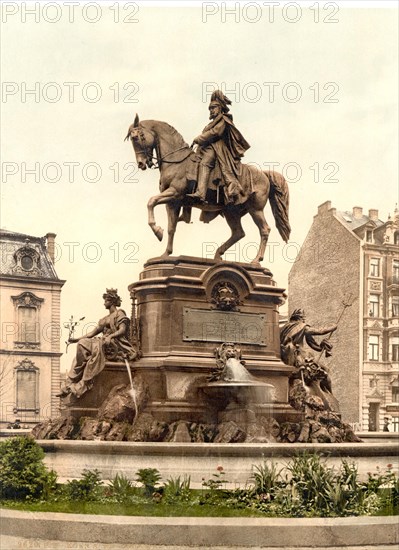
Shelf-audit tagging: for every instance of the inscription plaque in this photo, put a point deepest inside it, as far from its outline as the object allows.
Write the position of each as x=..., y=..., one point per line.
x=204, y=325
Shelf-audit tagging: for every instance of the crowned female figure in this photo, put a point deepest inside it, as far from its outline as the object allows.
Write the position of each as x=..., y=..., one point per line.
x=92, y=352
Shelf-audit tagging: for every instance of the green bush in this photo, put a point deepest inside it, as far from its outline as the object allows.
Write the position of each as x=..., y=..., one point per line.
x=23, y=474
x=177, y=490
x=266, y=478
x=121, y=488
x=149, y=478
x=311, y=483
x=87, y=488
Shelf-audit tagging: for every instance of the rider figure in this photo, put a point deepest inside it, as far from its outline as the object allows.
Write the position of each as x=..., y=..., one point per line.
x=220, y=141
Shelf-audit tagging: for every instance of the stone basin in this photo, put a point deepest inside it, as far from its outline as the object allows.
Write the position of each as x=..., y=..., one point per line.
x=246, y=392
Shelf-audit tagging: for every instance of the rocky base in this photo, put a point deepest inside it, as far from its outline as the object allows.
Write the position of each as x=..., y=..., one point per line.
x=120, y=419
x=146, y=428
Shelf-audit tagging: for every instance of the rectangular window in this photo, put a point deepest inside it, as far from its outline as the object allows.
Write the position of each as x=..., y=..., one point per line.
x=369, y=236
x=26, y=386
x=395, y=352
x=375, y=267
x=28, y=326
x=395, y=306
x=395, y=394
x=374, y=343
x=374, y=305
x=395, y=271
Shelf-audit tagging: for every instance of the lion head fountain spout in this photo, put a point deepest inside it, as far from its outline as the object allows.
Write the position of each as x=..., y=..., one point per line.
x=235, y=394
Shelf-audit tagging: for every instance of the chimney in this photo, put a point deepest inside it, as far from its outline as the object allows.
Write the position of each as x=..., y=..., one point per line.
x=51, y=245
x=324, y=208
x=373, y=214
x=357, y=212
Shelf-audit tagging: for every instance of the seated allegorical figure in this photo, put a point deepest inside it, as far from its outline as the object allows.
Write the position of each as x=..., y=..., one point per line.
x=92, y=352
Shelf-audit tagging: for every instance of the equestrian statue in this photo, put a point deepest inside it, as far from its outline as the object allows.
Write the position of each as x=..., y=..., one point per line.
x=209, y=175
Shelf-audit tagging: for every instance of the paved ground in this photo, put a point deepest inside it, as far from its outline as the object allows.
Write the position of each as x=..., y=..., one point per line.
x=15, y=543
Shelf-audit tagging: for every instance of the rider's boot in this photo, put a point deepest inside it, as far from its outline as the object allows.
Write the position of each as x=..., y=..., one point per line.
x=64, y=391
x=203, y=177
x=233, y=191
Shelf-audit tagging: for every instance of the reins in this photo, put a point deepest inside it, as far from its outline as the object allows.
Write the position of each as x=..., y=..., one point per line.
x=150, y=157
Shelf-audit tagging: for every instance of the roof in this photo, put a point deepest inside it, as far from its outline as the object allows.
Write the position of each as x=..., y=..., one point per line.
x=353, y=222
x=15, y=246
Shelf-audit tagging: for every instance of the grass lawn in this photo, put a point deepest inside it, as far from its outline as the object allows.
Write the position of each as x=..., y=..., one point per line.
x=117, y=509
x=148, y=509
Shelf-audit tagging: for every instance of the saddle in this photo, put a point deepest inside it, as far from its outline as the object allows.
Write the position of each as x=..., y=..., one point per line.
x=216, y=194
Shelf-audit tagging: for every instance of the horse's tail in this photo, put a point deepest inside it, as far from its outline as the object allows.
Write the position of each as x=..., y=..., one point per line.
x=279, y=201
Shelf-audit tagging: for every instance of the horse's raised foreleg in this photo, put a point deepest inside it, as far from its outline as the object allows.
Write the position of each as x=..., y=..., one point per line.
x=164, y=197
x=264, y=230
x=237, y=233
x=173, y=216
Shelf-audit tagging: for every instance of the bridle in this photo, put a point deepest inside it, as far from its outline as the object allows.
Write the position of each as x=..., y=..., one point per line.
x=147, y=151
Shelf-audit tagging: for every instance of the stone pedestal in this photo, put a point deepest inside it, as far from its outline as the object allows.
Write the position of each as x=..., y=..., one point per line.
x=186, y=308
x=88, y=405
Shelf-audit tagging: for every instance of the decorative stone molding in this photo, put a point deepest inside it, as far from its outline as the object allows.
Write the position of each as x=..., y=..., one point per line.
x=27, y=299
x=26, y=364
x=375, y=285
x=26, y=345
x=225, y=296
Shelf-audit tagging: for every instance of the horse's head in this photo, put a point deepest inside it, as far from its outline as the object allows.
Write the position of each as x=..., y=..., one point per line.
x=143, y=141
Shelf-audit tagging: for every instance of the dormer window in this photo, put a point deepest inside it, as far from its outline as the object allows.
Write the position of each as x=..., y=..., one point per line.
x=27, y=261
x=369, y=236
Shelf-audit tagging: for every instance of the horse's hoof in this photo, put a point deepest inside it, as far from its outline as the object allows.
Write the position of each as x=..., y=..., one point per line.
x=159, y=233
x=218, y=258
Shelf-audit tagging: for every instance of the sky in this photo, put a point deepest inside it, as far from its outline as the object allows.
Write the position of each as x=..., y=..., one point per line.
x=314, y=88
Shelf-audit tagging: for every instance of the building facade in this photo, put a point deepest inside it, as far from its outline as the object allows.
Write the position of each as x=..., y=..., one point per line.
x=30, y=326
x=349, y=262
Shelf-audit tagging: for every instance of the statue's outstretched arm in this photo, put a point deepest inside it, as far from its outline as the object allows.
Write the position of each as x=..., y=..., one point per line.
x=321, y=331
x=91, y=334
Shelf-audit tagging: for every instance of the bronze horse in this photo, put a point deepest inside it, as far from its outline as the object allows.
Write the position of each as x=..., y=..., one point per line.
x=172, y=156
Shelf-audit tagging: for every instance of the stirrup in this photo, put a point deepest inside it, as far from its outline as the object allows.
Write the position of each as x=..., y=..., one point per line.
x=196, y=196
x=64, y=392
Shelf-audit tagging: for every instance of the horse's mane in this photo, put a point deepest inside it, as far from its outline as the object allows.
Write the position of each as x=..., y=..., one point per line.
x=167, y=128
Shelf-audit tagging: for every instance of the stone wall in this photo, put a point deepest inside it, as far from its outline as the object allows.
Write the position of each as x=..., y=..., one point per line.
x=328, y=268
